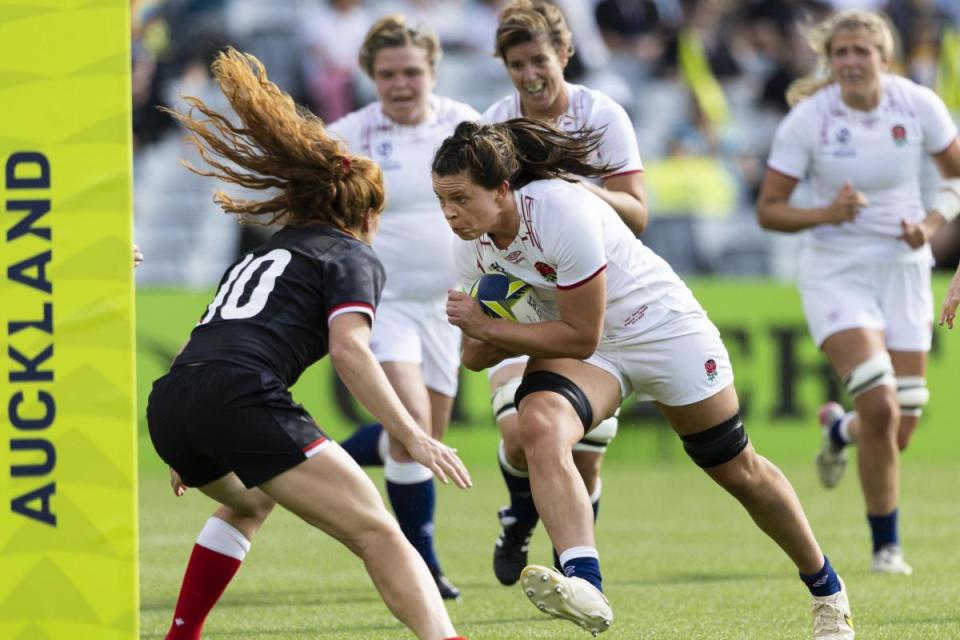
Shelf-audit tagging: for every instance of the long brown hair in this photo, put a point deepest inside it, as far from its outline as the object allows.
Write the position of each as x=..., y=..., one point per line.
x=519, y=151
x=528, y=20
x=821, y=40
x=279, y=146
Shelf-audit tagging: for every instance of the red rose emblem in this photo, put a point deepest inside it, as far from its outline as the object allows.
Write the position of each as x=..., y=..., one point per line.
x=899, y=133
x=545, y=270
x=710, y=366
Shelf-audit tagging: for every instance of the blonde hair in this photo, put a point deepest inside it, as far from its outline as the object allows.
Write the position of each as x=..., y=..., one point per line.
x=279, y=146
x=821, y=38
x=392, y=31
x=528, y=20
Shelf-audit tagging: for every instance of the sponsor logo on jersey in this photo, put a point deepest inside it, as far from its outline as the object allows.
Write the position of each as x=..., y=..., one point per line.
x=383, y=153
x=843, y=148
x=516, y=257
x=710, y=367
x=899, y=133
x=495, y=267
x=636, y=316
x=549, y=273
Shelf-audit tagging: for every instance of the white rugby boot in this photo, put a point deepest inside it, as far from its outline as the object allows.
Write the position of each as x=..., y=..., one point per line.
x=832, y=619
x=572, y=599
x=831, y=460
x=889, y=559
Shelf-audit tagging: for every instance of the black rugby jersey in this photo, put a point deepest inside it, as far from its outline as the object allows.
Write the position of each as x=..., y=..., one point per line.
x=272, y=308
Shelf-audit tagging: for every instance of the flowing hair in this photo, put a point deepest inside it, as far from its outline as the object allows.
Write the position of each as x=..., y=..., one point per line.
x=821, y=40
x=281, y=146
x=519, y=151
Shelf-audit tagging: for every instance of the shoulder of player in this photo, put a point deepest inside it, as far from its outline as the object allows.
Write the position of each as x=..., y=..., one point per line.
x=912, y=92
x=556, y=196
x=598, y=107
x=498, y=111
x=320, y=242
x=452, y=110
x=350, y=125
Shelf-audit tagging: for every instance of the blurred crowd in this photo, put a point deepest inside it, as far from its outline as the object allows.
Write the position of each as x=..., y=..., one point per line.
x=703, y=81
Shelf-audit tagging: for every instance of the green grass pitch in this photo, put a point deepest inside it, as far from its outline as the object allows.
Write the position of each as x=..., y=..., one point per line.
x=681, y=559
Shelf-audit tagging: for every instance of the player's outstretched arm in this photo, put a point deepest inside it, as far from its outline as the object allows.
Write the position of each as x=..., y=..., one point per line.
x=360, y=371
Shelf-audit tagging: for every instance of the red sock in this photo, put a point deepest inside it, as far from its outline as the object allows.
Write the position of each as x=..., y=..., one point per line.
x=207, y=576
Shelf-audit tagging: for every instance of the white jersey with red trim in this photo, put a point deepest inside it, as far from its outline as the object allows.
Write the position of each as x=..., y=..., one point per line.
x=587, y=108
x=414, y=243
x=567, y=237
x=878, y=151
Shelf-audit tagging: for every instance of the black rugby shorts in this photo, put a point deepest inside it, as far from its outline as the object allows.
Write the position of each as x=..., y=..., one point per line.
x=210, y=419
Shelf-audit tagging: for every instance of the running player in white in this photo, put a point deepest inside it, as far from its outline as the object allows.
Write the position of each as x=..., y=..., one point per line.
x=418, y=349
x=859, y=134
x=534, y=42
x=617, y=320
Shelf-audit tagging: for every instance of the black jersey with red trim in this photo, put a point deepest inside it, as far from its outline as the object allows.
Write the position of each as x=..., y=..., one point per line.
x=273, y=306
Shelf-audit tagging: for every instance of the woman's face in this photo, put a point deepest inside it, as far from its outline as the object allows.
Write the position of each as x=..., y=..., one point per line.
x=470, y=209
x=536, y=70
x=857, y=63
x=404, y=81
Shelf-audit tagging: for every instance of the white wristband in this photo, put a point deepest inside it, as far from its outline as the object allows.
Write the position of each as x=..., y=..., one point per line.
x=947, y=200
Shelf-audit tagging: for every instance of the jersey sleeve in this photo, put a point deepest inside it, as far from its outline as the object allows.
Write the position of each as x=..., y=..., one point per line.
x=792, y=151
x=352, y=283
x=572, y=235
x=939, y=130
x=497, y=112
x=619, y=144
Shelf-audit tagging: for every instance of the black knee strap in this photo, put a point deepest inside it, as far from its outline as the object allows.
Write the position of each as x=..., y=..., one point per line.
x=718, y=444
x=549, y=381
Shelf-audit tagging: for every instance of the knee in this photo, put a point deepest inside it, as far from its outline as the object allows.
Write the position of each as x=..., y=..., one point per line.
x=879, y=413
x=250, y=513
x=511, y=451
x=538, y=425
x=374, y=532
x=742, y=475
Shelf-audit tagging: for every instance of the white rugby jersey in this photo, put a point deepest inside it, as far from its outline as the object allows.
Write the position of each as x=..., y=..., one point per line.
x=879, y=151
x=414, y=242
x=567, y=237
x=592, y=109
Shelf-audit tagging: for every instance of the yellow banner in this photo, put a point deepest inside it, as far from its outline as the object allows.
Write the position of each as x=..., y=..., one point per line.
x=68, y=527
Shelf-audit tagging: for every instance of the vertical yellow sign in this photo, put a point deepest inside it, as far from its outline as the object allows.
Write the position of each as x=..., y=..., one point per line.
x=68, y=535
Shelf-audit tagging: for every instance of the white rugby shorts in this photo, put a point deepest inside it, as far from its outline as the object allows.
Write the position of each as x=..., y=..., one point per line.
x=894, y=298
x=679, y=362
x=418, y=332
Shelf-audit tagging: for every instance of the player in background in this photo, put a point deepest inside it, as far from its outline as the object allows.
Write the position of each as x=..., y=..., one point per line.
x=859, y=134
x=535, y=44
x=617, y=320
x=223, y=418
x=412, y=340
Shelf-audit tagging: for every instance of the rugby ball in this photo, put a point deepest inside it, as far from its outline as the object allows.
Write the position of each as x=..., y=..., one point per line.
x=503, y=296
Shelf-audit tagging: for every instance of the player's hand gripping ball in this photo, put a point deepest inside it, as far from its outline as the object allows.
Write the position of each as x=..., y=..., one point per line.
x=503, y=296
